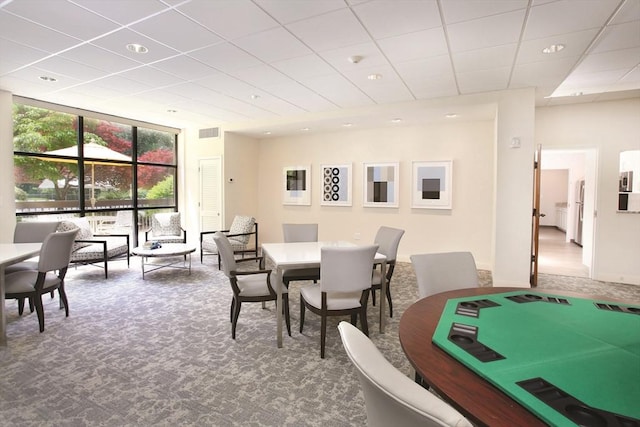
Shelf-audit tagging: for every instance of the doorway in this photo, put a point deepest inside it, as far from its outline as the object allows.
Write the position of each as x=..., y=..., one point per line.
x=562, y=226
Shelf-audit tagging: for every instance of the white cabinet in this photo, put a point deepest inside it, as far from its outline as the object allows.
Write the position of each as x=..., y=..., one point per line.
x=561, y=218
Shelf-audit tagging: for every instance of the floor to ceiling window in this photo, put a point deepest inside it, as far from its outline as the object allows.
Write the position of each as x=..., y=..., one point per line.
x=117, y=174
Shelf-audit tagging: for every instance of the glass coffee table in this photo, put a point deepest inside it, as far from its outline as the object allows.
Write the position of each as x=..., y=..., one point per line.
x=164, y=255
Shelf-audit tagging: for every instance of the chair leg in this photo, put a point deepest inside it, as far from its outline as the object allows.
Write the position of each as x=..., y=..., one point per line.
x=323, y=335
x=373, y=297
x=363, y=320
x=354, y=319
x=389, y=299
x=20, y=306
x=39, y=311
x=63, y=300
x=233, y=303
x=302, y=309
x=287, y=319
x=236, y=313
x=31, y=305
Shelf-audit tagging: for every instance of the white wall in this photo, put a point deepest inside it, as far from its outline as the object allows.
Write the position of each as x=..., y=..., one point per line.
x=607, y=128
x=466, y=227
x=553, y=191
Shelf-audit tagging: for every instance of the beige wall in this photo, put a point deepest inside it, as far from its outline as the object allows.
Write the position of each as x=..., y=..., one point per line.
x=240, y=177
x=607, y=128
x=7, y=193
x=466, y=227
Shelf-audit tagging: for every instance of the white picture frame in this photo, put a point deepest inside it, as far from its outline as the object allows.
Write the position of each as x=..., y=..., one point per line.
x=432, y=185
x=335, y=184
x=296, y=185
x=381, y=184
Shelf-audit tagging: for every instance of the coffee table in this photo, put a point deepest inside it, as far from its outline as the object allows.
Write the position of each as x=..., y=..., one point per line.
x=168, y=250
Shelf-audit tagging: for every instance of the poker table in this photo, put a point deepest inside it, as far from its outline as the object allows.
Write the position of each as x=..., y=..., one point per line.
x=522, y=357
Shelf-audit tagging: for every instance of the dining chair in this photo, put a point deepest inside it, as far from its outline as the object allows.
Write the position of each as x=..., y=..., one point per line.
x=300, y=233
x=444, y=271
x=52, y=268
x=390, y=397
x=343, y=288
x=388, y=240
x=247, y=286
x=30, y=232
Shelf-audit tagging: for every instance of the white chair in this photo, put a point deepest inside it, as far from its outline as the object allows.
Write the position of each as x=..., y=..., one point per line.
x=52, y=268
x=388, y=240
x=239, y=236
x=30, y=232
x=343, y=289
x=300, y=233
x=445, y=271
x=247, y=286
x=391, y=398
x=166, y=228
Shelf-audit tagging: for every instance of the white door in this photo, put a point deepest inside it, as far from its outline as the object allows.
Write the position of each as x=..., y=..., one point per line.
x=211, y=194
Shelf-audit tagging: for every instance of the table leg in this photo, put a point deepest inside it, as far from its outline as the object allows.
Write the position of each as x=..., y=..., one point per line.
x=279, y=305
x=142, y=263
x=383, y=294
x=3, y=316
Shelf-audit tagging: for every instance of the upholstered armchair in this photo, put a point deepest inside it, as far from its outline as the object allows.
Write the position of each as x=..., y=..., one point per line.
x=239, y=236
x=166, y=228
x=95, y=249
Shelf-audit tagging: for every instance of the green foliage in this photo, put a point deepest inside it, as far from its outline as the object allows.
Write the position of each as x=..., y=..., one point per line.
x=162, y=190
x=20, y=194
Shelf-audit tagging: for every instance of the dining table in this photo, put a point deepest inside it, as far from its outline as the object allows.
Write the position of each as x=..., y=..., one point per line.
x=508, y=356
x=12, y=253
x=295, y=255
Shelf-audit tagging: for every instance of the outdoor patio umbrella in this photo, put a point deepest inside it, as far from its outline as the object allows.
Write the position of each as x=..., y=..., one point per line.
x=94, y=154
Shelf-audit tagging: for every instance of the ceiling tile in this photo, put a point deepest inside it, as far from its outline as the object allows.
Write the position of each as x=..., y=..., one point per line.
x=464, y=10
x=613, y=60
x=534, y=74
x=273, y=45
x=229, y=18
x=117, y=42
x=185, y=67
x=370, y=54
x=415, y=45
x=99, y=58
x=483, y=80
x=33, y=35
x=330, y=31
x=630, y=11
x=389, y=88
x=486, y=32
x=287, y=11
x=261, y=75
x=151, y=76
x=126, y=11
x=300, y=96
x=176, y=31
x=304, y=66
x=70, y=68
x=555, y=18
x=490, y=57
x=225, y=56
x=338, y=90
x=54, y=13
x=392, y=18
x=575, y=45
x=15, y=55
x=621, y=36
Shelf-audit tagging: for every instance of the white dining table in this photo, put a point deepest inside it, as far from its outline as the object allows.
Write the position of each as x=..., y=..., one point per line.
x=307, y=255
x=12, y=253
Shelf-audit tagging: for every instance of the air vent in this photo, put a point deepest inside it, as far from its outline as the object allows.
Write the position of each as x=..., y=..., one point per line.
x=209, y=133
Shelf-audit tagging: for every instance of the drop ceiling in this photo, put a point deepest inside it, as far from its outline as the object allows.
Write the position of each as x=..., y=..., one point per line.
x=259, y=66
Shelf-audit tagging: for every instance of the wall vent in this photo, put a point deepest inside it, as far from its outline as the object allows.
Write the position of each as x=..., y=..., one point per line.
x=209, y=133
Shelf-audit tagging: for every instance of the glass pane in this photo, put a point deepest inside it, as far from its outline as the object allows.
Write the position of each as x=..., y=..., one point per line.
x=43, y=185
x=116, y=137
x=38, y=130
x=155, y=186
x=156, y=147
x=108, y=186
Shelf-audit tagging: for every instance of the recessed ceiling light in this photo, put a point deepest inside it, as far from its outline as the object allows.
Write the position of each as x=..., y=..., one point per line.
x=396, y=120
x=172, y=111
x=267, y=132
x=374, y=76
x=137, y=48
x=305, y=129
x=554, y=48
x=347, y=125
x=451, y=115
x=255, y=96
x=48, y=79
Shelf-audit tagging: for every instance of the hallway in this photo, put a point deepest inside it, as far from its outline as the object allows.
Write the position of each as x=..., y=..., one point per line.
x=559, y=257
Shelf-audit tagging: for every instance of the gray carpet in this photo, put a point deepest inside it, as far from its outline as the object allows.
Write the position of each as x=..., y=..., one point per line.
x=159, y=352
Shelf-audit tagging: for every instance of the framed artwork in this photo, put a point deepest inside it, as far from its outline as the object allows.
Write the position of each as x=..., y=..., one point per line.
x=336, y=185
x=381, y=184
x=296, y=185
x=431, y=186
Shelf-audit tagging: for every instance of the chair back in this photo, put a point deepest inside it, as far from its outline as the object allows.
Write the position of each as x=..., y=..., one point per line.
x=391, y=398
x=300, y=232
x=33, y=231
x=225, y=250
x=446, y=271
x=56, y=251
x=389, y=239
x=346, y=269
x=242, y=225
x=166, y=224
